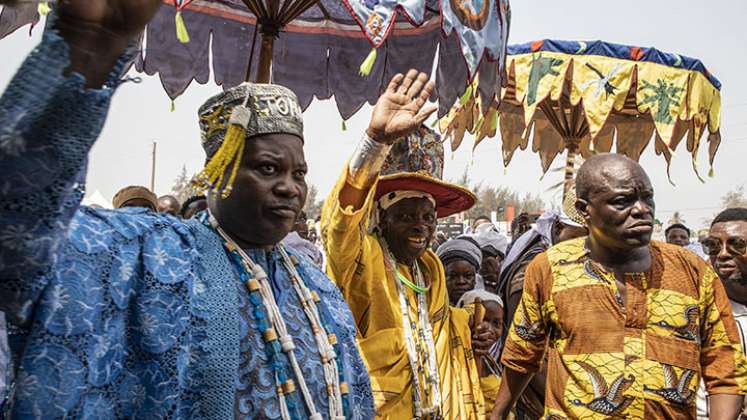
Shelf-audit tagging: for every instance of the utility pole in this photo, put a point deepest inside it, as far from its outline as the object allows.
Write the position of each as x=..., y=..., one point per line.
x=153, y=169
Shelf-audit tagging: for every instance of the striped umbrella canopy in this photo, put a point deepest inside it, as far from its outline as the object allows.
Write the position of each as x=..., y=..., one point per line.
x=348, y=49
x=583, y=97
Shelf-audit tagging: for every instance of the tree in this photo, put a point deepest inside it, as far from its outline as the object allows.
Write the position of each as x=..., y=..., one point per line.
x=183, y=188
x=735, y=198
x=313, y=206
x=464, y=180
x=530, y=204
x=490, y=199
x=677, y=219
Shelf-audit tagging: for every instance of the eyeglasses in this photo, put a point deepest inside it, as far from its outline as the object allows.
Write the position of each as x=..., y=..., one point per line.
x=734, y=246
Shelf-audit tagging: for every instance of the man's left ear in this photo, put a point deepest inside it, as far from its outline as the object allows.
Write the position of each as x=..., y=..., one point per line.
x=582, y=207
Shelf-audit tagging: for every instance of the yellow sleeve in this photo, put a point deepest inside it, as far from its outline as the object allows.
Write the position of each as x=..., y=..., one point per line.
x=527, y=337
x=344, y=232
x=490, y=385
x=723, y=365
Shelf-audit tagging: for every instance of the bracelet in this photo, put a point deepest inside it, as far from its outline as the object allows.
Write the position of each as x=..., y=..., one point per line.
x=366, y=162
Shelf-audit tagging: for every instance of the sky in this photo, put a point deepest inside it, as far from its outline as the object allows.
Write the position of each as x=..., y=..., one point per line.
x=712, y=31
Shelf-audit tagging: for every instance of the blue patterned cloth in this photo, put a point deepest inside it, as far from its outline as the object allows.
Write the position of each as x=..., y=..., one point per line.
x=126, y=313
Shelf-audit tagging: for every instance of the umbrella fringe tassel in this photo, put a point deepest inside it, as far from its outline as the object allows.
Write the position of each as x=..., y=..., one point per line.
x=181, y=29
x=43, y=8
x=368, y=63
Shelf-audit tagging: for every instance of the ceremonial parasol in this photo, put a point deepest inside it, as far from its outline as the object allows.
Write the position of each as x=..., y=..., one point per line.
x=317, y=47
x=581, y=97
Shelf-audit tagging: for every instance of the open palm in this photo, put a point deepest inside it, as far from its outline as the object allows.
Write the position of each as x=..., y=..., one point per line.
x=118, y=17
x=400, y=109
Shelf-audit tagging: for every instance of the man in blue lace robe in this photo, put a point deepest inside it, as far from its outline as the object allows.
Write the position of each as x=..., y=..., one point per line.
x=131, y=314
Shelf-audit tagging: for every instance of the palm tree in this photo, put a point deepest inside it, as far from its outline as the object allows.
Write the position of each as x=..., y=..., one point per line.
x=676, y=219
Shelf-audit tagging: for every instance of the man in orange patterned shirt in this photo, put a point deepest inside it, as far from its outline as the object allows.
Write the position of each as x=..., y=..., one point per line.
x=631, y=324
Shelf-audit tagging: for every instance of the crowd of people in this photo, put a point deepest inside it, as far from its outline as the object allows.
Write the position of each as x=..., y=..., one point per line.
x=230, y=305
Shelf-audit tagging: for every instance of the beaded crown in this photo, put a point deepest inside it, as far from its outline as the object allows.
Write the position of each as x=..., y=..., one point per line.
x=416, y=163
x=230, y=118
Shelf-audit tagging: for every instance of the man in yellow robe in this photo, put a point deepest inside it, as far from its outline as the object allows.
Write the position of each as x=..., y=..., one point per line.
x=377, y=231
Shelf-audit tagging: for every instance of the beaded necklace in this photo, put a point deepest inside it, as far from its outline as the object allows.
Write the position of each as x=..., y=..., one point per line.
x=422, y=351
x=277, y=338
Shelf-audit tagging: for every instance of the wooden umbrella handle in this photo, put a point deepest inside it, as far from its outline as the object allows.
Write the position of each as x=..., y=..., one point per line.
x=479, y=316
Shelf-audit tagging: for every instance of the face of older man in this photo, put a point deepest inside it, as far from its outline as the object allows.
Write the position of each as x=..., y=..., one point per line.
x=619, y=206
x=268, y=193
x=408, y=227
x=726, y=246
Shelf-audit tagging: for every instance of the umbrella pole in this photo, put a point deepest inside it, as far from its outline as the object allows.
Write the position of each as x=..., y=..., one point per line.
x=570, y=163
x=265, y=57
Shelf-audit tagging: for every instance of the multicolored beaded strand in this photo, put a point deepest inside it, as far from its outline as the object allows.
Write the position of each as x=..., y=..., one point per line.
x=260, y=292
x=421, y=352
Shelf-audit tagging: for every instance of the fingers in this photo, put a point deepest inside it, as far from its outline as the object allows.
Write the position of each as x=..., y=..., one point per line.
x=417, y=86
x=483, y=327
x=412, y=74
x=424, y=113
x=425, y=93
x=487, y=337
x=394, y=83
x=482, y=347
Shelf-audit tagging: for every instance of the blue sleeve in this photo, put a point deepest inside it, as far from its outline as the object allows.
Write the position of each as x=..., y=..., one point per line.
x=48, y=123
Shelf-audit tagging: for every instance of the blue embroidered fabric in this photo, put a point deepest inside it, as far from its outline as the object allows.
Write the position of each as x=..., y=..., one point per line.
x=126, y=313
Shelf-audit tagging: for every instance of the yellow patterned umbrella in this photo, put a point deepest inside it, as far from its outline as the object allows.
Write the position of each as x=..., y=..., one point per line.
x=581, y=97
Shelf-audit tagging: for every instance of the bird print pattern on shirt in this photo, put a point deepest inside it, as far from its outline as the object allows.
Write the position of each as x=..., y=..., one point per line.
x=524, y=329
x=689, y=331
x=676, y=389
x=608, y=400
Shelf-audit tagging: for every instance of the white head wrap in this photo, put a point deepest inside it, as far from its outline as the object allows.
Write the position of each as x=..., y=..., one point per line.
x=485, y=296
x=460, y=248
x=388, y=200
x=394, y=197
x=491, y=239
x=543, y=229
x=304, y=247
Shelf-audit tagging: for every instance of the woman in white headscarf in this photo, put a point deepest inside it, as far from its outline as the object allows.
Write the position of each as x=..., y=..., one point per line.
x=490, y=367
x=493, y=245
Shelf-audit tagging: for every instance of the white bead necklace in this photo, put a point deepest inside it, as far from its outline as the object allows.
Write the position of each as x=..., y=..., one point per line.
x=308, y=300
x=422, y=352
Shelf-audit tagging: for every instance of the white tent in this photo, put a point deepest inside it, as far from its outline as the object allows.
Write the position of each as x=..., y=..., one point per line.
x=96, y=198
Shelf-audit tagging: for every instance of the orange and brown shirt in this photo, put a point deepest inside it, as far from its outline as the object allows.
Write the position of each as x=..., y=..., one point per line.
x=641, y=359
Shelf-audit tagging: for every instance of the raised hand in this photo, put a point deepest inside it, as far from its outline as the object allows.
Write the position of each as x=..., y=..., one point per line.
x=400, y=109
x=123, y=18
x=98, y=31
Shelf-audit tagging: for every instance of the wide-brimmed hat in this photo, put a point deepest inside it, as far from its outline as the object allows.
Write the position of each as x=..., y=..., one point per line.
x=134, y=192
x=416, y=163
